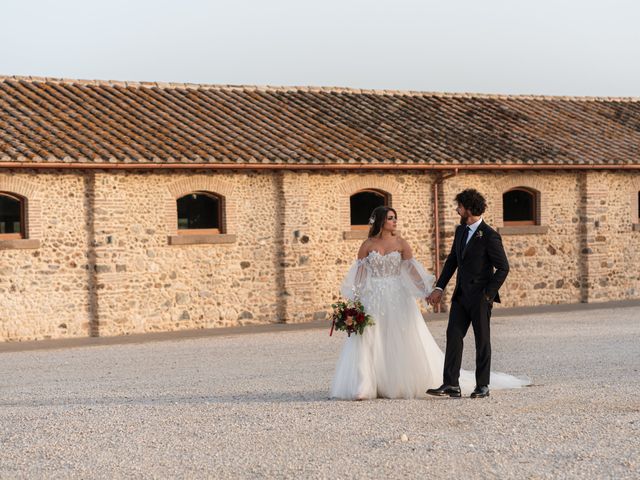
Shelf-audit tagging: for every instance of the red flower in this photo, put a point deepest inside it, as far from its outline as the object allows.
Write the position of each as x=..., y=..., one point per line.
x=349, y=316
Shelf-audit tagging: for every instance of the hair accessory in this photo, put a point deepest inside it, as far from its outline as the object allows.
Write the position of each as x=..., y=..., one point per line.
x=372, y=220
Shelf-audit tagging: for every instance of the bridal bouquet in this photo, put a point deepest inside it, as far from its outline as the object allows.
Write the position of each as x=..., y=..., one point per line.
x=349, y=316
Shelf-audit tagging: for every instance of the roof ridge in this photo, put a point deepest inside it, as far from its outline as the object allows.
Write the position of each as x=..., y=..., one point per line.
x=313, y=89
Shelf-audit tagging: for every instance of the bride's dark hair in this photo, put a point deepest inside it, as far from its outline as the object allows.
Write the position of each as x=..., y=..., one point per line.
x=377, y=219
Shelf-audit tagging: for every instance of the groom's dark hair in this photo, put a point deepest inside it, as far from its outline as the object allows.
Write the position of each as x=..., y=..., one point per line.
x=472, y=200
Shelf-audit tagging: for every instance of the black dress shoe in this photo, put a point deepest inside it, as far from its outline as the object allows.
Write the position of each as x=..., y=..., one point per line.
x=444, y=390
x=480, y=392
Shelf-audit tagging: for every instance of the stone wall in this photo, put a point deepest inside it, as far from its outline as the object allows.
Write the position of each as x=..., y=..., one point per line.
x=545, y=265
x=613, y=243
x=331, y=254
x=146, y=284
x=44, y=292
x=589, y=250
x=105, y=264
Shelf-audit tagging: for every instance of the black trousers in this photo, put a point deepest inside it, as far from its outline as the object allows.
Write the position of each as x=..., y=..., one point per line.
x=465, y=311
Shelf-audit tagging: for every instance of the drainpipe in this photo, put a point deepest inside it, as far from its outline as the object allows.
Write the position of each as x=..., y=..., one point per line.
x=436, y=219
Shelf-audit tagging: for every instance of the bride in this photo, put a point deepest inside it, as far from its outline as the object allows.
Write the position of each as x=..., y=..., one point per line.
x=396, y=357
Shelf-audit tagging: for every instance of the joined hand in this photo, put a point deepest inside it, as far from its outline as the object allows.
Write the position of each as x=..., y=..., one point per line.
x=435, y=297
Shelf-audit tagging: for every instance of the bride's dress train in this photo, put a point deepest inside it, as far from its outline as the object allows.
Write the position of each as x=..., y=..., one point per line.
x=397, y=357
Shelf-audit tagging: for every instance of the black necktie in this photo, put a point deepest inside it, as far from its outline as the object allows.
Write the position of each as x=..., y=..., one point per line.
x=467, y=229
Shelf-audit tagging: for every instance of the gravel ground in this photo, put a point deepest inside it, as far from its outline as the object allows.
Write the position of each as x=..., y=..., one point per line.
x=256, y=406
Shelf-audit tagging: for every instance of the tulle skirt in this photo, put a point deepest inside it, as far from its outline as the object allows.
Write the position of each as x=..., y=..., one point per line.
x=397, y=357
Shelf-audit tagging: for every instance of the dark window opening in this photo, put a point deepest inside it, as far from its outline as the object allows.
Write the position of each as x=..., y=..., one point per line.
x=363, y=203
x=519, y=207
x=199, y=212
x=11, y=216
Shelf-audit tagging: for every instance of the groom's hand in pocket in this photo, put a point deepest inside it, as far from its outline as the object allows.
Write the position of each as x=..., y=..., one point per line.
x=488, y=298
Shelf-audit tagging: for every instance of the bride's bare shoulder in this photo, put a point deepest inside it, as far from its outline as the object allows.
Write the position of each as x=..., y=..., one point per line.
x=399, y=242
x=402, y=241
x=365, y=248
x=405, y=248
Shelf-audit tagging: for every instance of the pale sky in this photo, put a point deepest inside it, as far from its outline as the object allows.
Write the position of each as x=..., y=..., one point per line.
x=551, y=47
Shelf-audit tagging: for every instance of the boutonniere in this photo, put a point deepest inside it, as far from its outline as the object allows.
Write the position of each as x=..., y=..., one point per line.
x=479, y=233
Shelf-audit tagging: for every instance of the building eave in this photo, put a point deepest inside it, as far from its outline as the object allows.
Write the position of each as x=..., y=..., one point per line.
x=315, y=167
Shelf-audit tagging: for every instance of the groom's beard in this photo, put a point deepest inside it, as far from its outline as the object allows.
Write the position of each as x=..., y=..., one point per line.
x=463, y=220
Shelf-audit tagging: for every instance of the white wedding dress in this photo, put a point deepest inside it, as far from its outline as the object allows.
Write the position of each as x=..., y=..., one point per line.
x=397, y=357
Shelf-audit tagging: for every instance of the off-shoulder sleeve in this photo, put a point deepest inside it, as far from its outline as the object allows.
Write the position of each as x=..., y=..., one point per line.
x=356, y=281
x=417, y=281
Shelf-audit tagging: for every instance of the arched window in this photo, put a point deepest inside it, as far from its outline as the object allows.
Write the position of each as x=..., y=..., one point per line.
x=12, y=218
x=200, y=213
x=520, y=207
x=363, y=203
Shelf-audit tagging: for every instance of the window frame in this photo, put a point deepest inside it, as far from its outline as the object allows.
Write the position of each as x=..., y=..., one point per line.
x=535, y=203
x=22, y=201
x=204, y=231
x=381, y=193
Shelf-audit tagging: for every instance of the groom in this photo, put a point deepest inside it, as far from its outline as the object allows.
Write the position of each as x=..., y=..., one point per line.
x=476, y=251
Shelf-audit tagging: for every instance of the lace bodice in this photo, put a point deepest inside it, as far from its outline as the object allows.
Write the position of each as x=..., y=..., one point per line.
x=386, y=271
x=387, y=265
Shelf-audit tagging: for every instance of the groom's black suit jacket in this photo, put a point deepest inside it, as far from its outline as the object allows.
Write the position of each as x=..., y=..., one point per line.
x=476, y=264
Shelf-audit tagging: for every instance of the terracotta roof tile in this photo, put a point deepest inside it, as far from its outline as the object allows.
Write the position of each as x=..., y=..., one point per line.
x=77, y=121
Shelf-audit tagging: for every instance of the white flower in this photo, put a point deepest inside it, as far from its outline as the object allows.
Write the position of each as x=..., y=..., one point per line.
x=372, y=220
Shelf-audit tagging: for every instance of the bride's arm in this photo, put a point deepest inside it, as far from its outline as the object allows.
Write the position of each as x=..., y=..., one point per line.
x=365, y=248
x=405, y=249
x=414, y=277
x=357, y=277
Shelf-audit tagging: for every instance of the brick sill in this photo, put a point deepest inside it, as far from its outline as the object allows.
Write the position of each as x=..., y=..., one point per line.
x=524, y=230
x=355, y=234
x=636, y=227
x=217, y=239
x=19, y=244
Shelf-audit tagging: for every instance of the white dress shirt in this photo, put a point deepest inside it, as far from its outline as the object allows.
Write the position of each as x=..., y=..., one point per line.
x=473, y=227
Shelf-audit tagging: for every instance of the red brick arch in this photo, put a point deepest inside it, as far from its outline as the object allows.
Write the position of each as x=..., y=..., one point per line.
x=384, y=184
x=527, y=182
x=201, y=183
x=33, y=209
